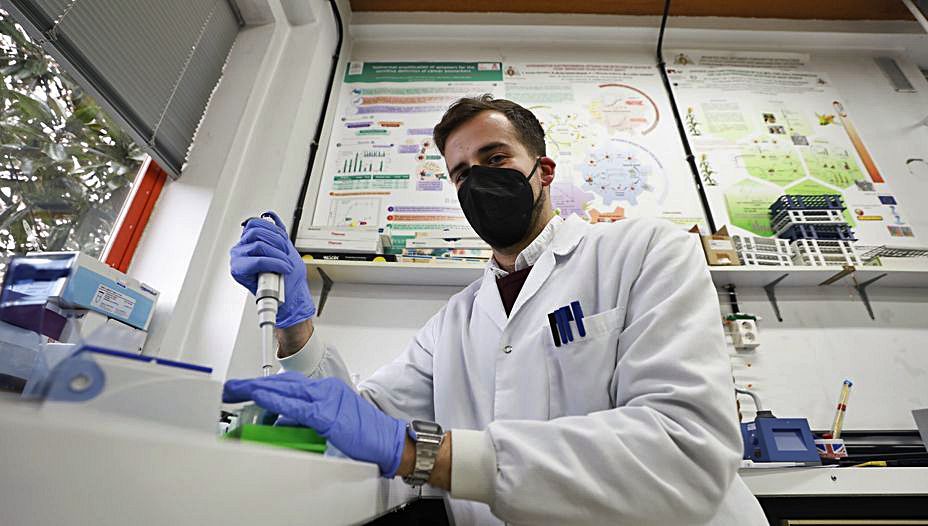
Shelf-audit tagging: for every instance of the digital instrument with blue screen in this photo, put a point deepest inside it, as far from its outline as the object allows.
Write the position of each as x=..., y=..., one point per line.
x=772, y=439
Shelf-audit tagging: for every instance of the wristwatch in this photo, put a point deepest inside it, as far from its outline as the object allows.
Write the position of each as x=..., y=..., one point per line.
x=427, y=436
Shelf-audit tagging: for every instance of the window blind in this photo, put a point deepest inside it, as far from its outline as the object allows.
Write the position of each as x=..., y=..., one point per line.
x=153, y=64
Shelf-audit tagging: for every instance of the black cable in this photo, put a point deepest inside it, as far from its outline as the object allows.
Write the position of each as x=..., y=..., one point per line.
x=690, y=158
x=314, y=145
x=732, y=298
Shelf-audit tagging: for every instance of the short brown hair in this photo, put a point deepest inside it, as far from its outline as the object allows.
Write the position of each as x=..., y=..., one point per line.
x=528, y=129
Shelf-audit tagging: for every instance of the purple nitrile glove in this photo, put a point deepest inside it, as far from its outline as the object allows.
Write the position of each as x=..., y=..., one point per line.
x=332, y=409
x=265, y=247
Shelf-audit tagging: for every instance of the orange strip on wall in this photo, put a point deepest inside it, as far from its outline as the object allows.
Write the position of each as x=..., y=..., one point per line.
x=130, y=232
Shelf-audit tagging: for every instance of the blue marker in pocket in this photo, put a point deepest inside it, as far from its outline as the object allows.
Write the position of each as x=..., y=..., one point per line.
x=578, y=317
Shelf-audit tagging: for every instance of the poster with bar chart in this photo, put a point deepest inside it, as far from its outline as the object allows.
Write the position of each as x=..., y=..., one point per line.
x=381, y=165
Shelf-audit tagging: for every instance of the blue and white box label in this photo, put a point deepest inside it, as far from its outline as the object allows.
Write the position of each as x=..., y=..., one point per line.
x=113, y=302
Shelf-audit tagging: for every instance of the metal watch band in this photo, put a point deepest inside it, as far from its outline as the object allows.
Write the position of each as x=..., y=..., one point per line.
x=427, y=445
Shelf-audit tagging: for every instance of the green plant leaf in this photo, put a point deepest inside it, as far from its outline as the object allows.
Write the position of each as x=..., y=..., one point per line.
x=55, y=151
x=57, y=237
x=10, y=216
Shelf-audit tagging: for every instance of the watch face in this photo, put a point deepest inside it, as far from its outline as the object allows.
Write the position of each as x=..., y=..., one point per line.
x=421, y=426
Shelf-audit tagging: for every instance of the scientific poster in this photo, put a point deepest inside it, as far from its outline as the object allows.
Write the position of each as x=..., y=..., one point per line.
x=382, y=167
x=610, y=130
x=769, y=127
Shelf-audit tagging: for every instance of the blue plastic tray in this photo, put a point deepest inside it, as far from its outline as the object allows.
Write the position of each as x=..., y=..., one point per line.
x=807, y=202
x=818, y=231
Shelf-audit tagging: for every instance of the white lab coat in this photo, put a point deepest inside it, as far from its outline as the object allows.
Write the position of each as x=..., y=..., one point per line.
x=634, y=424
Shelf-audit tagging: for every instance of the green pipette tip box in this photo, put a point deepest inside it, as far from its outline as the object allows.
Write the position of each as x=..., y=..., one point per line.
x=302, y=438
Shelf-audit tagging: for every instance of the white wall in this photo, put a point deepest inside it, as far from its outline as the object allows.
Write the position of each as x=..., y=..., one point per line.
x=826, y=334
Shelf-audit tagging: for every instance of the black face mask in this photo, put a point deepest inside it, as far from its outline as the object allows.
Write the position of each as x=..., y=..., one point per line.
x=498, y=203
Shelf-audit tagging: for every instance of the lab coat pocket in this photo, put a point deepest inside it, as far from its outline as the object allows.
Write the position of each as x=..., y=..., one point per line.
x=580, y=372
x=604, y=322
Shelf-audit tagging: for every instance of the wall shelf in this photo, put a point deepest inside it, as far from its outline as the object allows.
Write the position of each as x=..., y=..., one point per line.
x=386, y=273
x=448, y=274
x=761, y=276
x=814, y=276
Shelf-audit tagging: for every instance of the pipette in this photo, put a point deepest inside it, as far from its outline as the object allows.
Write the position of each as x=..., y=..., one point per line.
x=269, y=294
x=842, y=408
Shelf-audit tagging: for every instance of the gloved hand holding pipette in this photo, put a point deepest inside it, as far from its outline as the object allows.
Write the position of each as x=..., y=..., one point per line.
x=266, y=263
x=265, y=247
x=328, y=405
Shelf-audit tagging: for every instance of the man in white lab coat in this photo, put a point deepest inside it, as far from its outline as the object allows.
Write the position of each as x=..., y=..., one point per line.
x=582, y=380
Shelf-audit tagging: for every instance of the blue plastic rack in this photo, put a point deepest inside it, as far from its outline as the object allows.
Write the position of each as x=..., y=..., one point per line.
x=807, y=202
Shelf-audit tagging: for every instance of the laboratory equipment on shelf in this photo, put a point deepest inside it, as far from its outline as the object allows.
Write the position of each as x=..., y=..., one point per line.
x=771, y=439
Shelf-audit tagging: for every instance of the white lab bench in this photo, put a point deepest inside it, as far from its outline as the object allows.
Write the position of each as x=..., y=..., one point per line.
x=62, y=466
x=58, y=468
x=827, y=481
x=829, y=495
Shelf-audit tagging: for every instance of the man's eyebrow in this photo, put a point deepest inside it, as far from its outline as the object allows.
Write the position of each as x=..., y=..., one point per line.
x=486, y=148
x=491, y=146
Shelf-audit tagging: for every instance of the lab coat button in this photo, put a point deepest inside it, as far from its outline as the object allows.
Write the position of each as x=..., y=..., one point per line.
x=507, y=349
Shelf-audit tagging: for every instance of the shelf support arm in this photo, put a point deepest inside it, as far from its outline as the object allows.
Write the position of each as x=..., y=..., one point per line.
x=862, y=290
x=326, y=287
x=772, y=296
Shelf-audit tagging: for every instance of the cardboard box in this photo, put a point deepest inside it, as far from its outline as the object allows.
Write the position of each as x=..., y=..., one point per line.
x=718, y=247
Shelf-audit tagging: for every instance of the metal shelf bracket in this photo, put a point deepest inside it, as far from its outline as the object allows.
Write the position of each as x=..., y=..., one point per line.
x=326, y=287
x=772, y=296
x=862, y=290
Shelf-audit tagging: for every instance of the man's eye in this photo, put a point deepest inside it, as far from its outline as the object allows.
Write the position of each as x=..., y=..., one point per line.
x=496, y=159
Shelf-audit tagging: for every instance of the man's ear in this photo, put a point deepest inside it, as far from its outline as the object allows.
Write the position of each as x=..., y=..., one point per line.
x=546, y=165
